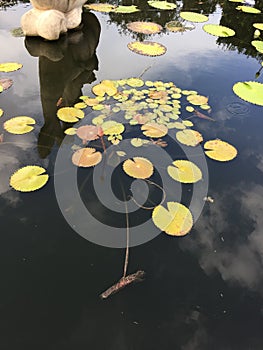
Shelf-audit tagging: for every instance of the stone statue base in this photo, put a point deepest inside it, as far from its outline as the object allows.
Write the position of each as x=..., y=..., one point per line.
x=50, y=18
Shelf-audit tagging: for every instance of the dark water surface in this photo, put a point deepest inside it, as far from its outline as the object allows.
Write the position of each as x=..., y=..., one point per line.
x=202, y=291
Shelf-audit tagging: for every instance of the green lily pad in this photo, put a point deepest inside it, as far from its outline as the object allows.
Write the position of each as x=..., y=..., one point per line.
x=162, y=5
x=193, y=17
x=258, y=44
x=250, y=91
x=218, y=30
x=176, y=26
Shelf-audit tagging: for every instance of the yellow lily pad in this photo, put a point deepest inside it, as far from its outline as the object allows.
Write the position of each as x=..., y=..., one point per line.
x=184, y=171
x=193, y=16
x=112, y=127
x=197, y=100
x=19, y=125
x=176, y=220
x=138, y=167
x=147, y=48
x=154, y=130
x=189, y=137
x=10, y=66
x=70, y=114
x=220, y=150
x=70, y=131
x=105, y=87
x=101, y=7
x=29, y=178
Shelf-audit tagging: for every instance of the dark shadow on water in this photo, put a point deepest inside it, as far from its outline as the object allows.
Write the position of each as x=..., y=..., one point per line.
x=64, y=67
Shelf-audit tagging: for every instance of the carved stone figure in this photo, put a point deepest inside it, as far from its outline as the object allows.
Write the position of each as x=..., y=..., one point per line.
x=50, y=18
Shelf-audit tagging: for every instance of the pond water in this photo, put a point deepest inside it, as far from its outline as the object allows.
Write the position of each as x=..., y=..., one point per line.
x=201, y=291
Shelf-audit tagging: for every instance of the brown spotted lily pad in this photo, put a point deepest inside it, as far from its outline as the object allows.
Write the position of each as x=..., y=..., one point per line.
x=144, y=27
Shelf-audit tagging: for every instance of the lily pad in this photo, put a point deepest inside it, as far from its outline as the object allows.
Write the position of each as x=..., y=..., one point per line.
x=10, y=66
x=101, y=7
x=193, y=17
x=176, y=26
x=250, y=91
x=147, y=48
x=197, y=100
x=184, y=171
x=248, y=9
x=138, y=168
x=162, y=5
x=126, y=9
x=29, y=178
x=258, y=26
x=70, y=114
x=112, y=127
x=1, y=112
x=189, y=137
x=105, y=87
x=154, y=130
x=70, y=131
x=88, y=133
x=6, y=83
x=220, y=150
x=218, y=30
x=176, y=220
x=86, y=157
x=258, y=44
x=144, y=27
x=19, y=125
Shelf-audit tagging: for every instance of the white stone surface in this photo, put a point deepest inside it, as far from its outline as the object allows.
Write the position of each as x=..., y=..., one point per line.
x=50, y=18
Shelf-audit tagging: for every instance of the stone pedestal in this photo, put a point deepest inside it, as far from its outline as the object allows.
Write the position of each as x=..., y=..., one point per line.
x=50, y=18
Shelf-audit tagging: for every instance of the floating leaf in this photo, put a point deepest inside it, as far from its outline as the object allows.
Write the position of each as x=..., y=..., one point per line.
x=218, y=30
x=101, y=7
x=88, y=133
x=135, y=82
x=70, y=131
x=112, y=127
x=237, y=1
x=138, y=167
x=154, y=130
x=220, y=150
x=29, y=178
x=126, y=9
x=10, y=66
x=70, y=114
x=189, y=137
x=248, y=9
x=258, y=26
x=1, y=88
x=1, y=112
x=176, y=26
x=121, y=153
x=80, y=105
x=184, y=171
x=187, y=123
x=250, y=91
x=144, y=27
x=193, y=17
x=137, y=142
x=86, y=157
x=162, y=5
x=258, y=44
x=177, y=220
x=6, y=83
x=147, y=48
x=189, y=109
x=19, y=125
x=197, y=100
x=105, y=87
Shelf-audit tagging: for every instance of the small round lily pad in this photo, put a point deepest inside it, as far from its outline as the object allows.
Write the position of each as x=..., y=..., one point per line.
x=218, y=30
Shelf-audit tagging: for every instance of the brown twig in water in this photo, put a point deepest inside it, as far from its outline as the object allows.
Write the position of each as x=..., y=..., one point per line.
x=123, y=282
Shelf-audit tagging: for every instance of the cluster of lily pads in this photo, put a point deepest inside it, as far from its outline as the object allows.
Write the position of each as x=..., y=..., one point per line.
x=153, y=106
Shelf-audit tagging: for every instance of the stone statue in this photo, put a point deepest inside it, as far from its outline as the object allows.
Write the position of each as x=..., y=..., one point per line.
x=50, y=18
